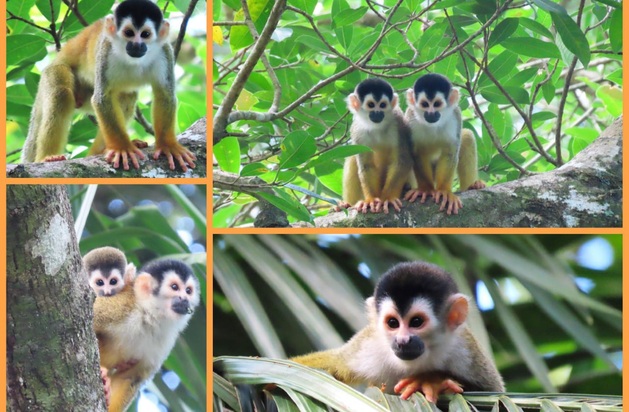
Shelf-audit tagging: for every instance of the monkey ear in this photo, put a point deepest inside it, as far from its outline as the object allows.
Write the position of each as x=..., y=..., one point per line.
x=110, y=26
x=454, y=97
x=410, y=97
x=129, y=273
x=353, y=103
x=395, y=101
x=164, y=30
x=144, y=285
x=370, y=306
x=458, y=307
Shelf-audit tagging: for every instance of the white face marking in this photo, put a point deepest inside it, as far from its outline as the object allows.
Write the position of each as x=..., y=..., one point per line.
x=106, y=283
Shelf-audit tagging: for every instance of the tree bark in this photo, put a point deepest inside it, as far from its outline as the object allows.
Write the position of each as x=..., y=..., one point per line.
x=194, y=138
x=585, y=192
x=52, y=353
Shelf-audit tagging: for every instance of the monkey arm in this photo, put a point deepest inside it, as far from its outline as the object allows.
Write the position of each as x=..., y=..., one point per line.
x=111, y=114
x=369, y=180
x=164, y=114
x=122, y=392
x=400, y=164
x=444, y=175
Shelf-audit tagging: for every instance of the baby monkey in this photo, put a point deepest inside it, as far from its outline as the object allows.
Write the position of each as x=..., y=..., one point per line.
x=416, y=339
x=374, y=180
x=108, y=270
x=439, y=146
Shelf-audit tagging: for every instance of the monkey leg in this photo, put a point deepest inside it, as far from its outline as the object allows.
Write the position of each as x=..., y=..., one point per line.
x=329, y=361
x=123, y=390
x=52, y=115
x=369, y=179
x=444, y=174
x=431, y=387
x=164, y=113
x=397, y=176
x=113, y=110
x=467, y=168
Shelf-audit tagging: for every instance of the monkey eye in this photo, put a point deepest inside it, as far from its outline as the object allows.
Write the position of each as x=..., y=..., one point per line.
x=128, y=33
x=371, y=105
x=416, y=322
x=437, y=103
x=189, y=290
x=113, y=282
x=145, y=34
x=383, y=105
x=100, y=282
x=393, y=323
x=174, y=286
x=425, y=104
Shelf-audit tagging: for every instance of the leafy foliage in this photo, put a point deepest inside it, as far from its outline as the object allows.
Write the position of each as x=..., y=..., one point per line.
x=145, y=222
x=35, y=29
x=549, y=308
x=540, y=80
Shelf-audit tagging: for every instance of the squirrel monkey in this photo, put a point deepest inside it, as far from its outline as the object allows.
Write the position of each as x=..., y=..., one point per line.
x=374, y=180
x=439, y=146
x=100, y=70
x=137, y=327
x=416, y=339
x=108, y=270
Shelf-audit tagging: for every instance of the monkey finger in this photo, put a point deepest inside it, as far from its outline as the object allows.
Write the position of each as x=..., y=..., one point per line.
x=429, y=392
x=182, y=162
x=125, y=160
x=134, y=160
x=397, y=204
x=448, y=385
x=116, y=160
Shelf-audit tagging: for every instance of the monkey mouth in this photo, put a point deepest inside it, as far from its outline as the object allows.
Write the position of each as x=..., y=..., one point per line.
x=182, y=307
x=432, y=117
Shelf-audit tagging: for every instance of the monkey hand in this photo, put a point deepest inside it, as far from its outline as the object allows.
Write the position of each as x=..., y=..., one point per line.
x=431, y=387
x=413, y=194
x=131, y=151
x=384, y=205
x=106, y=384
x=175, y=150
x=341, y=205
x=364, y=205
x=54, y=158
x=448, y=198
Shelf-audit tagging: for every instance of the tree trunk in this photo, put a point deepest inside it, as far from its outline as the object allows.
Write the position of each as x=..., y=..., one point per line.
x=52, y=354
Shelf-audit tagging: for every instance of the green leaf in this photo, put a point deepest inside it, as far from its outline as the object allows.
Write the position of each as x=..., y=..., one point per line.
x=25, y=48
x=297, y=147
x=548, y=90
x=306, y=5
x=239, y=36
x=288, y=204
x=503, y=30
x=340, y=152
x=612, y=99
x=499, y=67
x=349, y=16
x=254, y=169
x=531, y=47
x=331, y=176
x=317, y=384
x=572, y=37
x=550, y=7
x=615, y=31
x=227, y=153
x=494, y=95
x=344, y=35
x=536, y=27
x=49, y=9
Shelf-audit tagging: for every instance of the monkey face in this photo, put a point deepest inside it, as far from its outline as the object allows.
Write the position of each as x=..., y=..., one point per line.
x=181, y=295
x=405, y=330
x=106, y=284
x=373, y=102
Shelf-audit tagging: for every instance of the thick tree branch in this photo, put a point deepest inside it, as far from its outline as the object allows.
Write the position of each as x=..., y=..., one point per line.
x=95, y=166
x=585, y=192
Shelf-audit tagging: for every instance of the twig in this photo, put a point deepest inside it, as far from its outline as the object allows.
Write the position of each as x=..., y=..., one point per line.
x=184, y=25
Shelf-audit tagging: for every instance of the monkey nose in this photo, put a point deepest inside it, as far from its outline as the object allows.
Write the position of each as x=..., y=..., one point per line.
x=181, y=306
x=432, y=117
x=376, y=116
